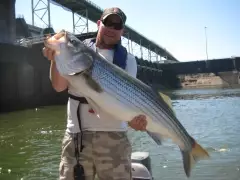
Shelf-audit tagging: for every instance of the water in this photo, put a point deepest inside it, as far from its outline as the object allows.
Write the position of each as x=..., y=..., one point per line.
x=30, y=140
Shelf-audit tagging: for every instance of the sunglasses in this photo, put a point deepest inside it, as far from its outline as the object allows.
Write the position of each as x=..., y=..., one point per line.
x=116, y=26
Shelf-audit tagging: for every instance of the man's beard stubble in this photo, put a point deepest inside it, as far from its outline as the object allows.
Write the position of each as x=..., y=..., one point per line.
x=104, y=44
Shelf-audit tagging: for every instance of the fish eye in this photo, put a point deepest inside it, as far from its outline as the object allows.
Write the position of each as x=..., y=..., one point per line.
x=73, y=41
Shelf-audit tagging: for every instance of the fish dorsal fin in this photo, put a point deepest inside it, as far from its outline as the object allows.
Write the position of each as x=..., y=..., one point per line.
x=168, y=101
x=91, y=82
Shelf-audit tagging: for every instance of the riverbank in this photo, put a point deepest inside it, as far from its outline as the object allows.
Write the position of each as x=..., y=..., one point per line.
x=208, y=80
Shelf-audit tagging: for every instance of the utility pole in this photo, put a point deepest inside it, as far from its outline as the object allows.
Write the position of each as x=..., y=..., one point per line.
x=206, y=42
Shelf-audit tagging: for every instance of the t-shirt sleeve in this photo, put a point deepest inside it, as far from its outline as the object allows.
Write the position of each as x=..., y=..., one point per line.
x=131, y=65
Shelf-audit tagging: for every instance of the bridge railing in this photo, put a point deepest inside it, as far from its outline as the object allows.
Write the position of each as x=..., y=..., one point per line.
x=95, y=5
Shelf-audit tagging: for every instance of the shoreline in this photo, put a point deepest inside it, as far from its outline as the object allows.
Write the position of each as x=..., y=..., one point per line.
x=210, y=80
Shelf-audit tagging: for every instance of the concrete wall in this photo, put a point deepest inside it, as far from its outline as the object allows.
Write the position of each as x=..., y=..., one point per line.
x=22, y=29
x=162, y=79
x=24, y=79
x=7, y=21
x=210, y=66
x=231, y=77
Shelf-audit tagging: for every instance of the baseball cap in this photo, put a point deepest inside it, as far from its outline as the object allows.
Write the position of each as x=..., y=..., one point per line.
x=114, y=10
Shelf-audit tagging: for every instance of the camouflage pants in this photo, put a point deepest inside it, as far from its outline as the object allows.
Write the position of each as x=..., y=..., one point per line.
x=106, y=154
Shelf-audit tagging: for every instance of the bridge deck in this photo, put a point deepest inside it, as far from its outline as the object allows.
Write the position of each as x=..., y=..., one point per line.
x=194, y=67
x=94, y=12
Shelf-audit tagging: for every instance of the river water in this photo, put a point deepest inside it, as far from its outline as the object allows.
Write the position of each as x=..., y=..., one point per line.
x=30, y=140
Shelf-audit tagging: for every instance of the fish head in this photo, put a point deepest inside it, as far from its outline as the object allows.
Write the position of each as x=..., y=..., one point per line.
x=72, y=56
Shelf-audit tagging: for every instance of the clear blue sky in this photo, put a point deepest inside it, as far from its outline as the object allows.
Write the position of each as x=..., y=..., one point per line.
x=177, y=25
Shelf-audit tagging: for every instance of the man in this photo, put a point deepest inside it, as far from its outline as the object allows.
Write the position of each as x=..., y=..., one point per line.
x=103, y=146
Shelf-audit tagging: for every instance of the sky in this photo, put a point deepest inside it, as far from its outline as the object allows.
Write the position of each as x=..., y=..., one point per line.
x=177, y=25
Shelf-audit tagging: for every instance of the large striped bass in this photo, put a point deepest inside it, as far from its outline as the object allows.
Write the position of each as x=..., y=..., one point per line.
x=111, y=90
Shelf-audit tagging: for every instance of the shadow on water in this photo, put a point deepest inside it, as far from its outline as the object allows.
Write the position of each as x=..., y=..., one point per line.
x=30, y=140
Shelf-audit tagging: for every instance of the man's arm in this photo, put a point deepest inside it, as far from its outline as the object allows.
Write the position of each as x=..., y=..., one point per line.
x=58, y=82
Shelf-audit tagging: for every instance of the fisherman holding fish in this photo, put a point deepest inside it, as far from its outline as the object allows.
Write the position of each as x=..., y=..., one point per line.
x=93, y=145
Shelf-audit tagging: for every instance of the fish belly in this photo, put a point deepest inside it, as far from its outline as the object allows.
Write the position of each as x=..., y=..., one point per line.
x=116, y=108
x=126, y=112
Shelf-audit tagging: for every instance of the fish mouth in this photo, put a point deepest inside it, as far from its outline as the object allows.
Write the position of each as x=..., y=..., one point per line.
x=54, y=42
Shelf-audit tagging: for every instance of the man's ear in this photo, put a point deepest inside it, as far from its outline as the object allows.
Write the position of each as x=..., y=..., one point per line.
x=98, y=23
x=122, y=32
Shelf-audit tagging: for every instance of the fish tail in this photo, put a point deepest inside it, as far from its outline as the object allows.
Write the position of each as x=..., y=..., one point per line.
x=191, y=158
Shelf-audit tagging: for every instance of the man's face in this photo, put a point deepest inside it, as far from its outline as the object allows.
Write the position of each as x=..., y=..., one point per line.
x=110, y=29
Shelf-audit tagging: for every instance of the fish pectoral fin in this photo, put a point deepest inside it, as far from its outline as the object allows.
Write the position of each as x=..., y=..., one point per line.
x=92, y=83
x=191, y=158
x=156, y=137
x=94, y=106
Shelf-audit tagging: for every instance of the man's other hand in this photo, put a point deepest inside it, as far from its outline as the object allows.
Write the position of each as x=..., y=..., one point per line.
x=138, y=123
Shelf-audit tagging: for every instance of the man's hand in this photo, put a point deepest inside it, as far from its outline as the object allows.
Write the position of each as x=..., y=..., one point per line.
x=49, y=53
x=138, y=123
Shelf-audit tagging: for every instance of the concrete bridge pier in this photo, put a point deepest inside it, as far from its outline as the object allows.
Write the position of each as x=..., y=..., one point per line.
x=7, y=21
x=231, y=77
